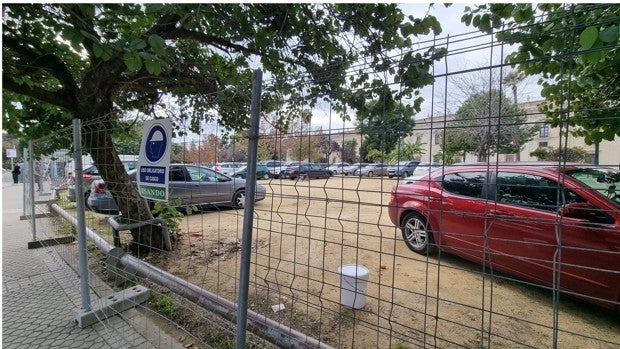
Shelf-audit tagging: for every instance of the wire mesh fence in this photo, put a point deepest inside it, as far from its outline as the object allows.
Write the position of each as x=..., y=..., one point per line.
x=511, y=252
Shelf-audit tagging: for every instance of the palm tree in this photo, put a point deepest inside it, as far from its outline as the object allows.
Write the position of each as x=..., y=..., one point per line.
x=513, y=79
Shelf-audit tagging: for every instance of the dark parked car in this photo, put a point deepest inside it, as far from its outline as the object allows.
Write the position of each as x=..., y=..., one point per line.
x=193, y=185
x=402, y=169
x=262, y=172
x=540, y=222
x=306, y=171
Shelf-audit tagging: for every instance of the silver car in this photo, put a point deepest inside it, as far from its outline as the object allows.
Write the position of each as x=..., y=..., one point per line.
x=192, y=185
x=372, y=170
x=420, y=171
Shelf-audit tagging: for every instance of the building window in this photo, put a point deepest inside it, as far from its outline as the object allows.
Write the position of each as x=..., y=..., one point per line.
x=542, y=144
x=437, y=138
x=418, y=139
x=544, y=131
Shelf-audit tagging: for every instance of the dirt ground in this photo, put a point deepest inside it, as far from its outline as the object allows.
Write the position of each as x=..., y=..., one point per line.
x=305, y=230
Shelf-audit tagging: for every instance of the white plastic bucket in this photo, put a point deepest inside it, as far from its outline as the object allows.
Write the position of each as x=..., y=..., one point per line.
x=353, y=279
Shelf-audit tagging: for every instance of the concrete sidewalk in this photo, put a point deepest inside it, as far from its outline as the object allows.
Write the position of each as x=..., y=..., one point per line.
x=40, y=291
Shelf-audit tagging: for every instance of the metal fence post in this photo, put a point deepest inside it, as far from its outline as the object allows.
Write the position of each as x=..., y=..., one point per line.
x=33, y=221
x=24, y=188
x=248, y=213
x=80, y=215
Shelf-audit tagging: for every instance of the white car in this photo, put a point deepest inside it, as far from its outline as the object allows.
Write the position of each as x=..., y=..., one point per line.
x=420, y=171
x=228, y=168
x=337, y=167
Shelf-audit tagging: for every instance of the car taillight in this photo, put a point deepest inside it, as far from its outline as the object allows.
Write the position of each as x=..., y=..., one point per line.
x=100, y=188
x=86, y=175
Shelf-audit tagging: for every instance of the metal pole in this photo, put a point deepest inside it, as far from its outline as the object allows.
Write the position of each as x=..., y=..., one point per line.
x=23, y=175
x=81, y=220
x=248, y=213
x=33, y=221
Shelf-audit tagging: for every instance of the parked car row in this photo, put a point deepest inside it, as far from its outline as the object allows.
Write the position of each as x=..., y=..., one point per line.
x=545, y=223
x=192, y=185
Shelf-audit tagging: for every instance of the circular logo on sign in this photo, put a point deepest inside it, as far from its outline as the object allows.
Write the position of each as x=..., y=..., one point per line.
x=156, y=142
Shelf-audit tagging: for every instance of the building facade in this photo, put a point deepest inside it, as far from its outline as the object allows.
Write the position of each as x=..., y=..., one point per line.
x=429, y=131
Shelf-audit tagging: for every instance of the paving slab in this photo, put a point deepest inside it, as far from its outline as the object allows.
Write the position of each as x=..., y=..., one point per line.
x=40, y=291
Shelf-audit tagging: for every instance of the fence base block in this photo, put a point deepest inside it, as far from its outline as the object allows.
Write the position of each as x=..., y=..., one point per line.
x=51, y=242
x=111, y=305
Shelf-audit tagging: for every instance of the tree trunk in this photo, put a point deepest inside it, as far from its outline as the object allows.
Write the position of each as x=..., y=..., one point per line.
x=98, y=142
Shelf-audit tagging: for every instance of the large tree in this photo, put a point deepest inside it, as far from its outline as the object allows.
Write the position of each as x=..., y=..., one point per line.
x=573, y=49
x=95, y=61
x=384, y=123
x=487, y=123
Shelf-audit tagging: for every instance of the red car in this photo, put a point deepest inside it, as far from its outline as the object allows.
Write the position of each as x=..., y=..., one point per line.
x=537, y=221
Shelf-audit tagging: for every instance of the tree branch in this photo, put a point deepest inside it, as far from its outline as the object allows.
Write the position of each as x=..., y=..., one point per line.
x=46, y=61
x=55, y=98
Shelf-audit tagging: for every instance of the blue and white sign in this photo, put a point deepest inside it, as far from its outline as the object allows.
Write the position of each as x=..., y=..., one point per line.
x=154, y=159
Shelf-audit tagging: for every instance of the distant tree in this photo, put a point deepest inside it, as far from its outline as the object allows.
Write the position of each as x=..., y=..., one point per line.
x=384, y=123
x=573, y=49
x=513, y=79
x=326, y=146
x=375, y=155
x=407, y=151
x=488, y=123
x=446, y=158
x=349, y=151
x=574, y=154
x=177, y=153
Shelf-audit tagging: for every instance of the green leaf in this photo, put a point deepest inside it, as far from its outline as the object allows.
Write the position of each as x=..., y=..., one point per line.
x=593, y=57
x=89, y=35
x=610, y=34
x=588, y=37
x=137, y=44
x=133, y=61
x=153, y=66
x=407, y=29
x=97, y=50
x=157, y=44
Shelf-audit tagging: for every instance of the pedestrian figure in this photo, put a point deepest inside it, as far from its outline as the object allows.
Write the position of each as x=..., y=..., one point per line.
x=16, y=172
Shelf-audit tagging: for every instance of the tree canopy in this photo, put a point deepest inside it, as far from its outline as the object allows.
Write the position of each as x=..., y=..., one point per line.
x=487, y=123
x=384, y=123
x=574, y=49
x=96, y=61
x=73, y=58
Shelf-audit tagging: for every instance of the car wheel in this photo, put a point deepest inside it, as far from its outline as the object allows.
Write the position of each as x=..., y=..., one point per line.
x=405, y=174
x=370, y=174
x=417, y=233
x=238, y=200
x=266, y=176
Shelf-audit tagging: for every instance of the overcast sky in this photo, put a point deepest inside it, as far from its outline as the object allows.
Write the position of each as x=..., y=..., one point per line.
x=468, y=49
